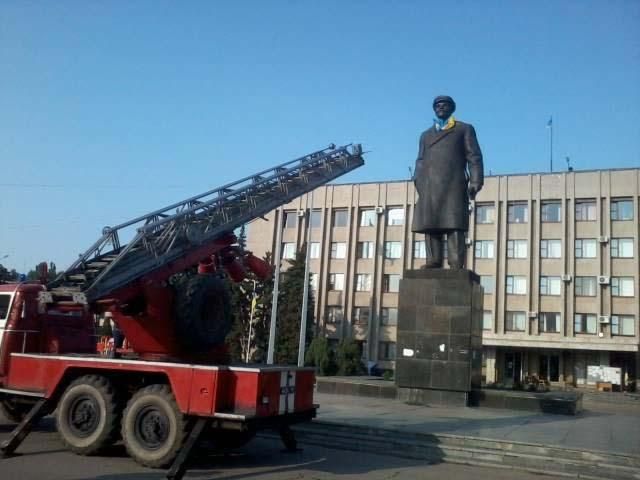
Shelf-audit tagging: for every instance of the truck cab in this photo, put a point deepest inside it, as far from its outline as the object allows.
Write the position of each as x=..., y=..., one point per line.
x=30, y=326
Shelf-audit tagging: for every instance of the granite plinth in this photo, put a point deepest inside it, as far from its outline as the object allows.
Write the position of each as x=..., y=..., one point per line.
x=439, y=339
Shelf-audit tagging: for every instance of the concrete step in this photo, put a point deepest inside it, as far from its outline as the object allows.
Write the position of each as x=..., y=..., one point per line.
x=470, y=450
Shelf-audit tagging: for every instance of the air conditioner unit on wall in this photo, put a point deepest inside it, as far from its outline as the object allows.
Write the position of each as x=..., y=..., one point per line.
x=468, y=242
x=603, y=239
x=379, y=210
x=301, y=213
x=603, y=319
x=603, y=280
x=533, y=314
x=566, y=278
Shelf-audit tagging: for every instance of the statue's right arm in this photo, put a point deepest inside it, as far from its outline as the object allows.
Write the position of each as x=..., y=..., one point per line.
x=417, y=171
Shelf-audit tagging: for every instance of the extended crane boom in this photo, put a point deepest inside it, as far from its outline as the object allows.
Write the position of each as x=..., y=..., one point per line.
x=172, y=233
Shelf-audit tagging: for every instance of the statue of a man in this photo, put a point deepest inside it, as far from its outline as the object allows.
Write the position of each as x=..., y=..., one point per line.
x=448, y=173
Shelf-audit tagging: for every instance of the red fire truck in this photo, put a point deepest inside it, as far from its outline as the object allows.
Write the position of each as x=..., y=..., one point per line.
x=159, y=276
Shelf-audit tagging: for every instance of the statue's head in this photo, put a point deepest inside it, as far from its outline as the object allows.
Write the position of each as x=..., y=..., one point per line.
x=443, y=106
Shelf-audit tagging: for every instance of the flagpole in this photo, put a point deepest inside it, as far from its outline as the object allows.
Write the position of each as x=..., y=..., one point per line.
x=276, y=285
x=550, y=125
x=253, y=308
x=305, y=290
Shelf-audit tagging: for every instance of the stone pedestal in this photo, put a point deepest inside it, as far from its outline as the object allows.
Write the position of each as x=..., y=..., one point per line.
x=439, y=342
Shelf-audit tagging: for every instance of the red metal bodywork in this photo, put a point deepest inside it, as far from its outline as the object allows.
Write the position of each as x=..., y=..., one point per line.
x=199, y=389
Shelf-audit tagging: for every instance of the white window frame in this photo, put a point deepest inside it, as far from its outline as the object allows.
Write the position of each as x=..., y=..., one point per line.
x=395, y=216
x=550, y=248
x=338, y=250
x=622, y=247
x=517, y=249
x=622, y=287
x=516, y=285
x=393, y=250
x=363, y=282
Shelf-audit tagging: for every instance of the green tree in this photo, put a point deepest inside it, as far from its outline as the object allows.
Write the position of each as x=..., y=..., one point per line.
x=348, y=357
x=242, y=294
x=7, y=275
x=320, y=355
x=290, y=310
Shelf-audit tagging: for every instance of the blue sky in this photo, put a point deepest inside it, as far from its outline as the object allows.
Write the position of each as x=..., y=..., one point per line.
x=111, y=109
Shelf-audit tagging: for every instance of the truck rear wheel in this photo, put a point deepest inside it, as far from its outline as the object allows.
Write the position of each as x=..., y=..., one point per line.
x=153, y=428
x=202, y=312
x=88, y=415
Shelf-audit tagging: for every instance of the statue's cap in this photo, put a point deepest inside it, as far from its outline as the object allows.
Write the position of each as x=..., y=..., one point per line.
x=444, y=98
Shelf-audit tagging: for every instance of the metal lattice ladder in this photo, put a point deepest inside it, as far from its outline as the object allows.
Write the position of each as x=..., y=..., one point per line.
x=165, y=235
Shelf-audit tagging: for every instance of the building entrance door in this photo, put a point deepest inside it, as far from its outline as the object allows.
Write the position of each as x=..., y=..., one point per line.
x=550, y=367
x=513, y=366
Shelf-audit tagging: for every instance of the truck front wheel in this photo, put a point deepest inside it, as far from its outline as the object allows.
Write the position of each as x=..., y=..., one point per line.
x=88, y=415
x=153, y=428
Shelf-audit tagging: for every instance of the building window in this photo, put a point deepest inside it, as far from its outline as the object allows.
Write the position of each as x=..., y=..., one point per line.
x=586, y=248
x=585, y=286
x=550, y=322
x=387, y=351
x=314, y=251
x=419, y=249
x=392, y=249
x=395, y=216
x=484, y=249
x=551, y=211
x=550, y=285
x=363, y=282
x=516, y=321
x=338, y=250
x=550, y=248
x=622, y=247
x=623, y=325
x=336, y=281
x=361, y=315
x=313, y=280
x=487, y=283
x=518, y=213
x=516, y=285
x=622, y=286
x=622, y=209
x=368, y=218
x=585, y=211
x=288, y=251
x=340, y=218
x=585, y=323
x=290, y=219
x=388, y=316
x=485, y=214
x=334, y=314
x=365, y=250
x=316, y=218
x=487, y=320
x=516, y=249
x=390, y=283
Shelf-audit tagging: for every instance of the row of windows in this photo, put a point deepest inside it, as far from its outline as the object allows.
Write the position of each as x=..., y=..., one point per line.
x=340, y=218
x=552, y=285
x=549, y=248
x=550, y=322
x=551, y=212
x=515, y=284
x=362, y=315
x=390, y=282
x=584, y=248
x=517, y=212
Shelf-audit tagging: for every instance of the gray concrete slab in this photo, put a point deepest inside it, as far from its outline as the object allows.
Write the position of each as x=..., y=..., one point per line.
x=602, y=427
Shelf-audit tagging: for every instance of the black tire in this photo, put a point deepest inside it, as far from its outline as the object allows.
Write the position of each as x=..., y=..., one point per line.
x=202, y=313
x=88, y=415
x=153, y=428
x=15, y=411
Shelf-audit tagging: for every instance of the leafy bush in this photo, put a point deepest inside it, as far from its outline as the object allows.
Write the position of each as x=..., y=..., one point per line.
x=320, y=355
x=349, y=358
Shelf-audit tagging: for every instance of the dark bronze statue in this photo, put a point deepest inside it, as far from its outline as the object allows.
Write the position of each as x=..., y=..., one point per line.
x=448, y=174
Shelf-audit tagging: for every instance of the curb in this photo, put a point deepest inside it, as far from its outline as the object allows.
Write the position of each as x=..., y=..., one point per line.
x=436, y=448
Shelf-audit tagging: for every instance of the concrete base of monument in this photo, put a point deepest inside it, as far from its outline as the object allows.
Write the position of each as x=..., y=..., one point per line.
x=432, y=397
x=558, y=402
